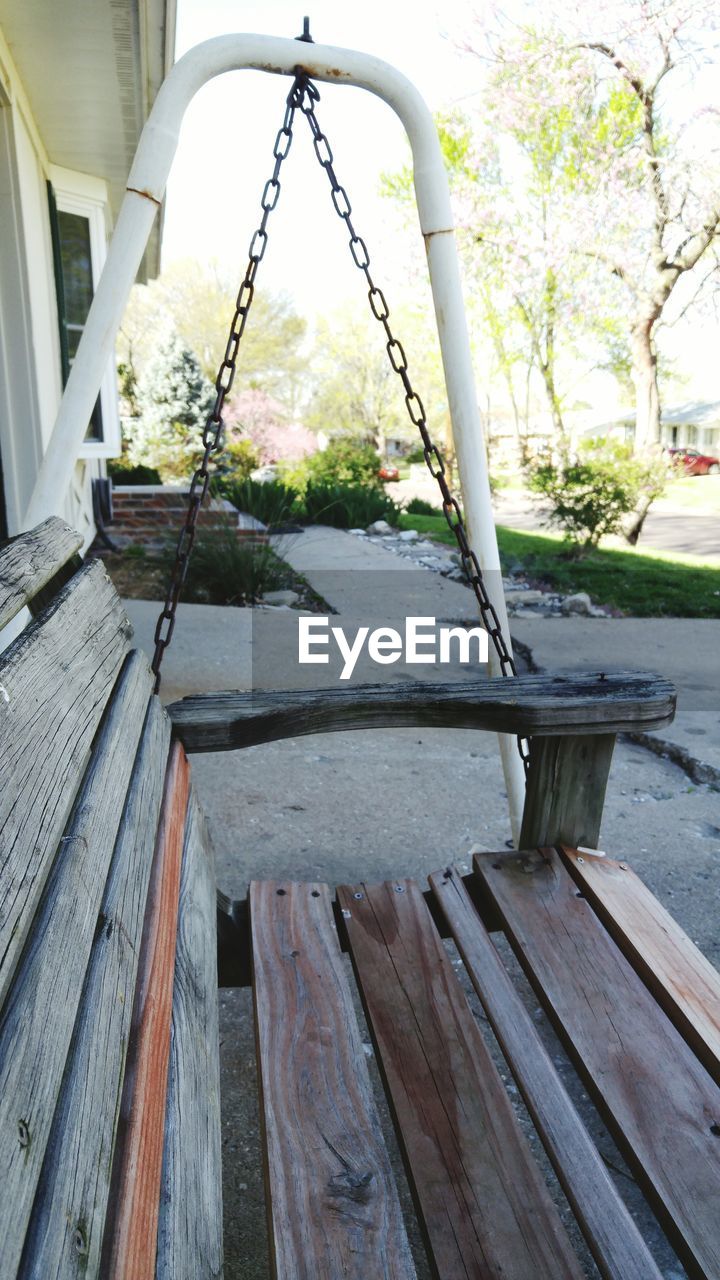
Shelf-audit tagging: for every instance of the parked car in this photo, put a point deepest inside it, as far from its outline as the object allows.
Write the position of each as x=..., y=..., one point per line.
x=389, y=472
x=694, y=463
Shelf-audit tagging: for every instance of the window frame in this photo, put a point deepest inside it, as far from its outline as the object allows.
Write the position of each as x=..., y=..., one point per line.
x=86, y=197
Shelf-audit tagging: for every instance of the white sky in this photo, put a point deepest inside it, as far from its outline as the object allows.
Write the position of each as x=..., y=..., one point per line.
x=225, y=157
x=225, y=152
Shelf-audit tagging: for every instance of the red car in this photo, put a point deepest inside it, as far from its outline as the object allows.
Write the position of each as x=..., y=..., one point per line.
x=694, y=463
x=389, y=472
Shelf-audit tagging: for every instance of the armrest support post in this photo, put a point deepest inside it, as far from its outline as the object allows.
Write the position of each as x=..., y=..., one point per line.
x=566, y=790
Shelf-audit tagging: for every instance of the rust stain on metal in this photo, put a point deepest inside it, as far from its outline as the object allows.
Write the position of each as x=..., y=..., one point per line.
x=145, y=194
x=325, y=72
x=441, y=231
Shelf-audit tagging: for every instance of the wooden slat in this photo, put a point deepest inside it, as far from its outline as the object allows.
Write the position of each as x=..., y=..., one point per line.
x=485, y=1209
x=39, y=1014
x=55, y=680
x=574, y=703
x=66, y=1229
x=679, y=976
x=332, y=1205
x=130, y=1246
x=658, y=1101
x=29, y=562
x=615, y=1242
x=190, y=1243
x=566, y=790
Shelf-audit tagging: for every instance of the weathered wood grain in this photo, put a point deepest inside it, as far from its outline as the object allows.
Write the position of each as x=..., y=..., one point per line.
x=190, y=1244
x=565, y=790
x=55, y=680
x=485, y=1209
x=29, y=562
x=332, y=1205
x=46, y=594
x=573, y=703
x=37, y=1019
x=658, y=1101
x=679, y=976
x=614, y=1240
x=130, y=1245
x=65, y=1235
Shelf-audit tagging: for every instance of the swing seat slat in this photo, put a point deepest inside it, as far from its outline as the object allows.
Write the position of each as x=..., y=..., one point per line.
x=657, y=1100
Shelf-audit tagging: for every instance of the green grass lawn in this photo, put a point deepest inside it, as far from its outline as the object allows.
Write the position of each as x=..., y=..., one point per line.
x=646, y=585
x=697, y=493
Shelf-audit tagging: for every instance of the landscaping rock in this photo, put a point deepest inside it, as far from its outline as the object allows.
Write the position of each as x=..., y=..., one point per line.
x=281, y=597
x=579, y=603
x=409, y=535
x=360, y=533
x=379, y=527
x=516, y=596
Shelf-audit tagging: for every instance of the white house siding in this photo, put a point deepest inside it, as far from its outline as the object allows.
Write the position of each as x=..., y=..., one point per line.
x=30, y=363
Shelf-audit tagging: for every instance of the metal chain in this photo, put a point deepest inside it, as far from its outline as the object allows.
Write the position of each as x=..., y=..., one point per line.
x=308, y=96
x=303, y=95
x=212, y=436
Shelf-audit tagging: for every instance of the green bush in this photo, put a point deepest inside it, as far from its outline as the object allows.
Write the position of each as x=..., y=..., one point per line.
x=348, y=506
x=273, y=503
x=419, y=507
x=235, y=463
x=123, y=472
x=415, y=456
x=226, y=570
x=343, y=462
x=593, y=492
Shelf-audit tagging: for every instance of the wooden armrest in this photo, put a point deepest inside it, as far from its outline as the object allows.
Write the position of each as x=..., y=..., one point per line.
x=533, y=705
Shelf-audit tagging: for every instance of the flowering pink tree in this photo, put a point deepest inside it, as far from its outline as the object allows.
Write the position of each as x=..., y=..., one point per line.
x=256, y=416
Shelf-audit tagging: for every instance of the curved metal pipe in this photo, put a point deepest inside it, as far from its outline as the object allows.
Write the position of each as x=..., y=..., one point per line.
x=145, y=191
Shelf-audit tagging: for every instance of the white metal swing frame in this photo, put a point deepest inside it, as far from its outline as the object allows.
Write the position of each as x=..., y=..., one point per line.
x=145, y=191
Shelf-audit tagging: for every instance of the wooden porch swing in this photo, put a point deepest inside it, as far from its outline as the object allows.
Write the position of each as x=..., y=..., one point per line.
x=112, y=944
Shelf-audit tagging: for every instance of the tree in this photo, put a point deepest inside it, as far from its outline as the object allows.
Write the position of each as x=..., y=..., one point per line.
x=355, y=390
x=677, y=215
x=514, y=171
x=261, y=419
x=200, y=303
x=646, y=182
x=593, y=490
x=173, y=399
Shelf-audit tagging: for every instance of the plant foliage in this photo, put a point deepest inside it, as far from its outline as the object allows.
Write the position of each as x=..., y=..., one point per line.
x=348, y=506
x=592, y=491
x=225, y=570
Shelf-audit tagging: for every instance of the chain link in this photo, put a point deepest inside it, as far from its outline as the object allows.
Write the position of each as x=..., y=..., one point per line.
x=416, y=410
x=303, y=96
x=212, y=436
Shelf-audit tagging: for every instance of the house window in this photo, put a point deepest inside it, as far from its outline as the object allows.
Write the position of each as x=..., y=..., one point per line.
x=77, y=220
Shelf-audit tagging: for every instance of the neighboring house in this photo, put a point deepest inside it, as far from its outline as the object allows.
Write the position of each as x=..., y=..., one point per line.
x=77, y=81
x=693, y=425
